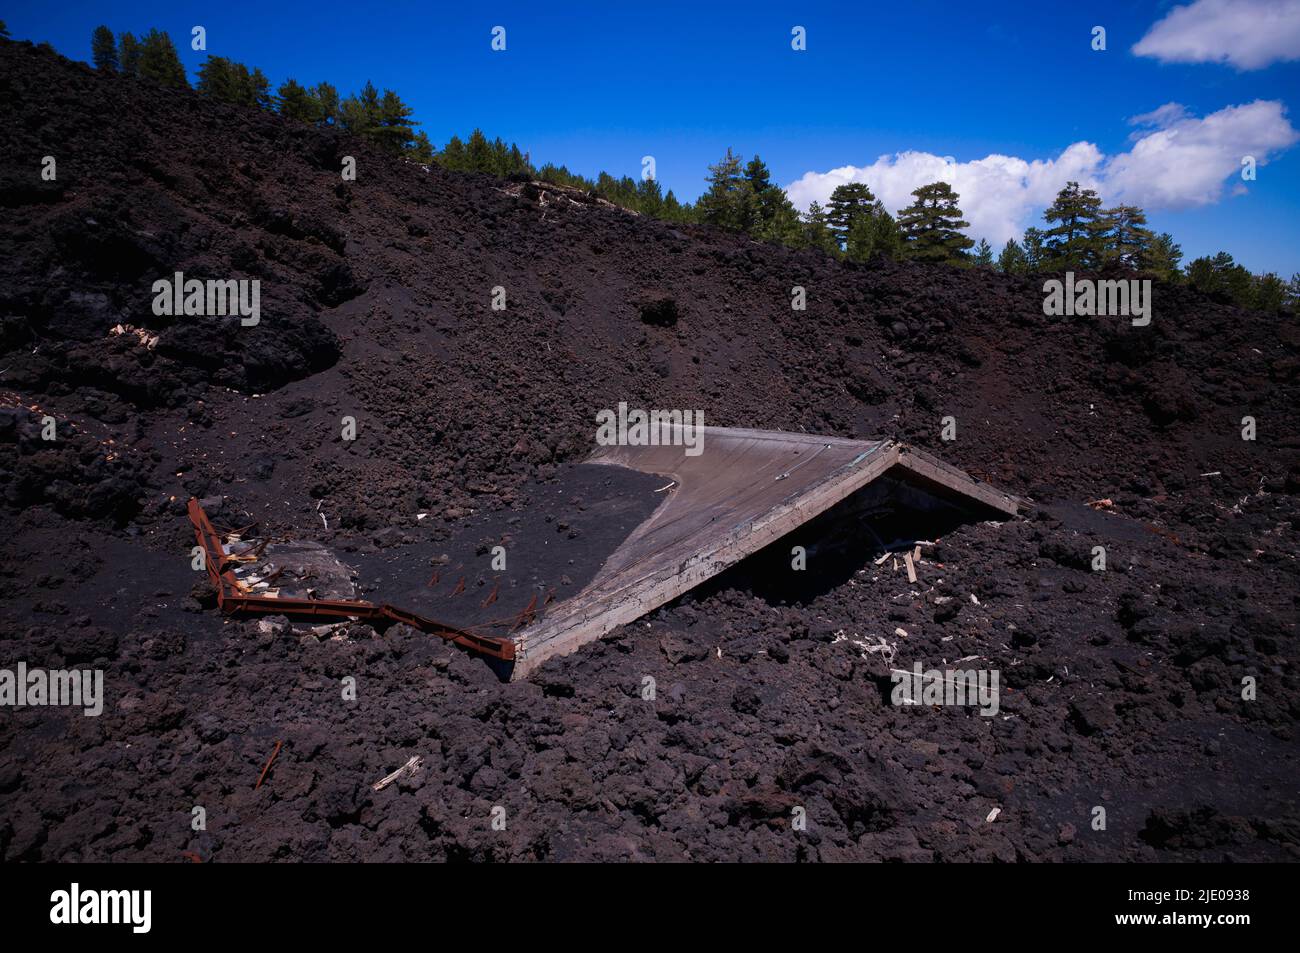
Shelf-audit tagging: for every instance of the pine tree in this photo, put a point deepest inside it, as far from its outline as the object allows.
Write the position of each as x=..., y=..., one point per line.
x=1035, y=249
x=888, y=237
x=675, y=211
x=103, y=50
x=648, y=198
x=501, y=160
x=757, y=182
x=848, y=202
x=517, y=162
x=359, y=113
x=750, y=213
x=550, y=172
x=983, y=254
x=259, y=90
x=1128, y=241
x=453, y=157
x=784, y=225
x=1223, y=277
x=557, y=174
x=931, y=226
x=159, y=62
x=216, y=79
x=478, y=152
x=352, y=116
x=621, y=191
x=1076, y=240
x=1268, y=293
x=606, y=187
x=327, y=103
x=421, y=149
x=4, y=30
x=872, y=232
x=296, y=102
x=229, y=82
x=1163, y=258
x=394, y=132
x=817, y=230
x=722, y=204
x=128, y=54
x=1013, y=260
x=767, y=212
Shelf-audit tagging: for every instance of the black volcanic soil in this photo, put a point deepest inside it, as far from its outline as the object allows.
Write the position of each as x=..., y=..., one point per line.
x=554, y=547
x=1121, y=689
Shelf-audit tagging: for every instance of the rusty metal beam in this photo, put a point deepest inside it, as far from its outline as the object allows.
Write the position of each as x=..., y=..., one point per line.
x=232, y=597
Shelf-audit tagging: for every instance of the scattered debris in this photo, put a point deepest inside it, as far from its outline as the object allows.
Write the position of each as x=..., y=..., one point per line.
x=404, y=771
x=886, y=650
x=147, y=338
x=546, y=194
x=269, y=762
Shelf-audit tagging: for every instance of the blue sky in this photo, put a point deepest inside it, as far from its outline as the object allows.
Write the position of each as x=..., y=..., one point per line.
x=599, y=88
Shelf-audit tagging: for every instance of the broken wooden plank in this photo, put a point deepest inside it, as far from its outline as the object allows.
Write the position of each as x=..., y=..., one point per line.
x=405, y=770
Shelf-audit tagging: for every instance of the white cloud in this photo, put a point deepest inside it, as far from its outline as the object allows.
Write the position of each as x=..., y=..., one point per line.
x=1186, y=161
x=1178, y=161
x=1249, y=34
x=1162, y=116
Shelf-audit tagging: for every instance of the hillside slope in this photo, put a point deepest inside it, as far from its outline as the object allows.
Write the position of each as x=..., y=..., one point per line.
x=1124, y=686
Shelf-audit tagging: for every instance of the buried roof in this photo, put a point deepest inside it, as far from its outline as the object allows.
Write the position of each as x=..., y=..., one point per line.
x=743, y=490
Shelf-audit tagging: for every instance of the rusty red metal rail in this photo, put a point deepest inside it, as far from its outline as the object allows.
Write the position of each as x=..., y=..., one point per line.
x=232, y=597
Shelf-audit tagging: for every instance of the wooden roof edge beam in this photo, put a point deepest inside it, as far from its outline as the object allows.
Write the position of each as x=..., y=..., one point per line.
x=930, y=469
